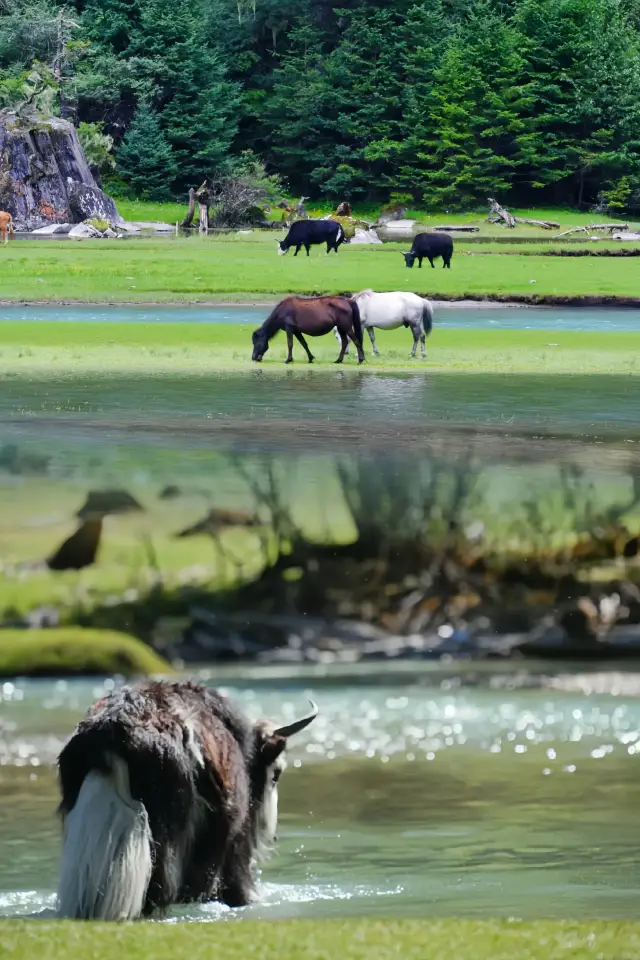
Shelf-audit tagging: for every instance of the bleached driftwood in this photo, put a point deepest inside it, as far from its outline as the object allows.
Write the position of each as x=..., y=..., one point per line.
x=545, y=224
x=608, y=226
x=497, y=213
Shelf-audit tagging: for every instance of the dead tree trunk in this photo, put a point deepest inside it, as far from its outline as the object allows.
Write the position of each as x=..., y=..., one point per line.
x=499, y=213
x=188, y=220
x=204, y=200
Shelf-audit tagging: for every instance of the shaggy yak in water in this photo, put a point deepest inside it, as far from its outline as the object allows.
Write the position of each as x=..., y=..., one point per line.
x=169, y=795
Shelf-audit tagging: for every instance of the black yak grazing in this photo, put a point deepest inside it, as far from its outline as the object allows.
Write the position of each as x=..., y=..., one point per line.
x=169, y=795
x=306, y=233
x=429, y=246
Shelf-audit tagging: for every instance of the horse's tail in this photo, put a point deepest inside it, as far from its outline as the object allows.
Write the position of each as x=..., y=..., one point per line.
x=357, y=322
x=427, y=317
x=106, y=854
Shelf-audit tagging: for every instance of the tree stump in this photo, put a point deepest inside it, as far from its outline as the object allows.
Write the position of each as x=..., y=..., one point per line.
x=204, y=201
x=188, y=220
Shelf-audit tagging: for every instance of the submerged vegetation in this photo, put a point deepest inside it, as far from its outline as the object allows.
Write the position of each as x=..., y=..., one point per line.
x=50, y=349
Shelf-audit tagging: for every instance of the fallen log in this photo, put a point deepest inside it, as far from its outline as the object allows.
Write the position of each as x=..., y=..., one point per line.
x=595, y=226
x=565, y=233
x=459, y=229
x=545, y=224
x=608, y=226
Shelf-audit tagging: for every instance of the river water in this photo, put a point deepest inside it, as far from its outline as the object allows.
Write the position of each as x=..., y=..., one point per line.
x=436, y=797
x=560, y=319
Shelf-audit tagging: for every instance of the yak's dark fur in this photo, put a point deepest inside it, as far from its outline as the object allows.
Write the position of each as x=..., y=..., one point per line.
x=306, y=233
x=205, y=812
x=429, y=246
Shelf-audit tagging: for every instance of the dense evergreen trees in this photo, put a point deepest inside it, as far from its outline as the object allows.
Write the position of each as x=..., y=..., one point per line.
x=445, y=102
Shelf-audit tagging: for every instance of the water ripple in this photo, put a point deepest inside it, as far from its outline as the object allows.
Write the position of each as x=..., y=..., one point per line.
x=381, y=722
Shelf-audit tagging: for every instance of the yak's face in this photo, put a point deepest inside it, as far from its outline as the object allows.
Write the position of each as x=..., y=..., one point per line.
x=267, y=820
x=282, y=249
x=409, y=259
x=260, y=345
x=271, y=762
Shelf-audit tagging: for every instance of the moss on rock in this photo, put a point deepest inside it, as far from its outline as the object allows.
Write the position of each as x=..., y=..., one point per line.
x=100, y=225
x=75, y=651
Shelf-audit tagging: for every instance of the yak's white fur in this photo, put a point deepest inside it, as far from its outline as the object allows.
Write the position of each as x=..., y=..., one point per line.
x=191, y=740
x=267, y=815
x=106, y=853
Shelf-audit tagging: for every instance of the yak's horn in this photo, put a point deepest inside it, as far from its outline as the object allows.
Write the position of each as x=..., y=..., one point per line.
x=297, y=725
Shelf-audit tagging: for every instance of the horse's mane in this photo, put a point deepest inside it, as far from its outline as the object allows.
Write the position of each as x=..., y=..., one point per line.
x=362, y=294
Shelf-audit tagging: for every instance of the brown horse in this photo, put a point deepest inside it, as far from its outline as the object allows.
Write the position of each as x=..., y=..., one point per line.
x=315, y=316
x=6, y=225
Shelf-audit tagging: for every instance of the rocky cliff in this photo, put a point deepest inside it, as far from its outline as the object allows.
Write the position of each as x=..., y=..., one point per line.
x=44, y=174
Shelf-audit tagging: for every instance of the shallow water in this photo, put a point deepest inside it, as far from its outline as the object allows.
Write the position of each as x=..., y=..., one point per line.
x=612, y=319
x=299, y=411
x=432, y=798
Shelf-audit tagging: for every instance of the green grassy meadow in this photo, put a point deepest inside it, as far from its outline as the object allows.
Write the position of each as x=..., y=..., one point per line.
x=244, y=268
x=55, y=349
x=325, y=940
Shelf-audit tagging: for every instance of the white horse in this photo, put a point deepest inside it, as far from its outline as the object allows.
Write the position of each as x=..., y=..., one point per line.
x=388, y=311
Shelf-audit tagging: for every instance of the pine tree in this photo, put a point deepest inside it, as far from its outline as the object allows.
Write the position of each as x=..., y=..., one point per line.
x=145, y=159
x=298, y=109
x=197, y=105
x=472, y=147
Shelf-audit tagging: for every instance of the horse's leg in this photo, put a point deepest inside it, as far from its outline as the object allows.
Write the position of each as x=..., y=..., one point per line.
x=290, y=346
x=307, y=248
x=416, y=336
x=298, y=248
x=344, y=339
x=420, y=263
x=302, y=341
x=352, y=336
x=339, y=338
x=373, y=341
x=433, y=266
x=422, y=344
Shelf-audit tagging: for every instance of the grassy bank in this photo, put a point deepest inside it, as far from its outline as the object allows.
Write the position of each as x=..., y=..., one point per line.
x=57, y=349
x=243, y=268
x=312, y=940
x=71, y=651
